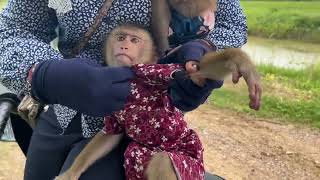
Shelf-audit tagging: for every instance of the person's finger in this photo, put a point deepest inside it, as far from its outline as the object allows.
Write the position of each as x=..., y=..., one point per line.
x=23, y=106
x=192, y=66
x=251, y=89
x=256, y=99
x=259, y=95
x=33, y=112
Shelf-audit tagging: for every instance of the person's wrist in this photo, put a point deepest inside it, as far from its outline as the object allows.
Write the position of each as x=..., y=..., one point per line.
x=208, y=44
x=29, y=78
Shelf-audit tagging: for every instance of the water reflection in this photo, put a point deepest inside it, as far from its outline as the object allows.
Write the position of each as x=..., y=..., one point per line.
x=289, y=54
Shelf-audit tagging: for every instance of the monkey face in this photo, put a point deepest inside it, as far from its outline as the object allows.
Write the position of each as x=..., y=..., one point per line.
x=129, y=46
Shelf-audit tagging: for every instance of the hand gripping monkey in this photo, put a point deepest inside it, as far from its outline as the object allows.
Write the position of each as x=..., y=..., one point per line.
x=162, y=147
x=161, y=16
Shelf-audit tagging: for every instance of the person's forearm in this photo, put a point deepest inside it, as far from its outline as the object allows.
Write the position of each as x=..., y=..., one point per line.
x=87, y=88
x=98, y=147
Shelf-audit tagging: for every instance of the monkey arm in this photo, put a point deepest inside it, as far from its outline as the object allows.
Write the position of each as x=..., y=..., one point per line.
x=26, y=29
x=185, y=94
x=98, y=147
x=160, y=24
x=230, y=28
x=217, y=65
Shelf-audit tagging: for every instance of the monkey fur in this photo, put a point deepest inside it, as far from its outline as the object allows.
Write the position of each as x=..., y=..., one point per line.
x=217, y=65
x=192, y=8
x=160, y=168
x=161, y=17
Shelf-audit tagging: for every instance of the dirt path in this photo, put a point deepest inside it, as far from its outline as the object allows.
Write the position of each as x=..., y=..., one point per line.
x=236, y=147
x=241, y=147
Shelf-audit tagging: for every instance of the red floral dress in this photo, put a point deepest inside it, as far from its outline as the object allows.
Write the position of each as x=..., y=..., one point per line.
x=155, y=125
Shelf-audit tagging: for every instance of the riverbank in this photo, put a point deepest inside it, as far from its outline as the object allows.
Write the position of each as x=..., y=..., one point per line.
x=299, y=20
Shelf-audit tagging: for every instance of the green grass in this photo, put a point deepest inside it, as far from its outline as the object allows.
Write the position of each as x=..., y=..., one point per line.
x=289, y=95
x=2, y=4
x=307, y=79
x=299, y=20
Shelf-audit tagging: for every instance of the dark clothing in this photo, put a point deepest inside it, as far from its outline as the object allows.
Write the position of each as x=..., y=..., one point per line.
x=22, y=132
x=49, y=151
x=81, y=85
x=94, y=90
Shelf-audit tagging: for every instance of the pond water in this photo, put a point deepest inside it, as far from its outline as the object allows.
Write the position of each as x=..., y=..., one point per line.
x=283, y=53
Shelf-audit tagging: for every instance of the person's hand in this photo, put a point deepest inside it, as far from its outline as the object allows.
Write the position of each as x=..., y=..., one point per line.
x=29, y=109
x=254, y=86
x=68, y=175
x=192, y=67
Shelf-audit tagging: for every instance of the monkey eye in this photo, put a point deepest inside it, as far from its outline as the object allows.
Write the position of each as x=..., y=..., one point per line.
x=135, y=40
x=121, y=37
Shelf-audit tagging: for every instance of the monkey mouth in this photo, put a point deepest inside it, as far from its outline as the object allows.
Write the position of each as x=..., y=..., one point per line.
x=122, y=54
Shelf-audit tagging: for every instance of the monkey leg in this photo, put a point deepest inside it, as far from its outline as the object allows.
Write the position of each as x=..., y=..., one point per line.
x=137, y=164
x=160, y=168
x=184, y=163
x=136, y=161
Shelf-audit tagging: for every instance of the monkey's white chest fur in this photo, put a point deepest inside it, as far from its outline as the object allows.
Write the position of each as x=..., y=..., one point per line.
x=61, y=6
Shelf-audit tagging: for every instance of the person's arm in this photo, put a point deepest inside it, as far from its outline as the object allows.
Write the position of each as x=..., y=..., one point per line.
x=90, y=89
x=185, y=94
x=230, y=30
x=26, y=29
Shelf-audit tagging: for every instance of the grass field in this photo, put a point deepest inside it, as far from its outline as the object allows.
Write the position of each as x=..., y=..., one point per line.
x=2, y=3
x=298, y=20
x=289, y=95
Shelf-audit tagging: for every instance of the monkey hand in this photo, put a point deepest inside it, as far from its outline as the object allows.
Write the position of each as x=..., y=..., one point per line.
x=68, y=175
x=217, y=65
x=254, y=86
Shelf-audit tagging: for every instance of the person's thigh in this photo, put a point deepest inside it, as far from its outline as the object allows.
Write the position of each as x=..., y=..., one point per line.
x=22, y=132
x=108, y=167
x=48, y=148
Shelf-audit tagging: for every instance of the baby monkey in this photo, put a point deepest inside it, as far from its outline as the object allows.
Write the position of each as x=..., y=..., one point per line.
x=161, y=16
x=162, y=145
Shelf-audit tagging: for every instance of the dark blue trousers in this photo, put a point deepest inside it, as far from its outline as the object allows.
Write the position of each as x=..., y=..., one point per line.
x=50, y=152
